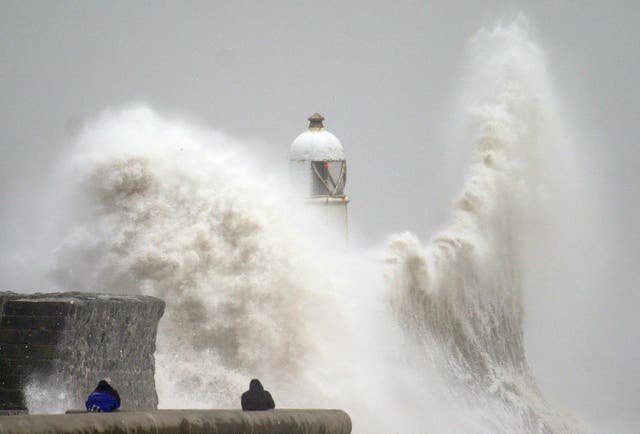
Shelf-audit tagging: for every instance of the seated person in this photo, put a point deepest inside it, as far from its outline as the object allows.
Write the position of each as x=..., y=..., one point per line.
x=103, y=399
x=256, y=398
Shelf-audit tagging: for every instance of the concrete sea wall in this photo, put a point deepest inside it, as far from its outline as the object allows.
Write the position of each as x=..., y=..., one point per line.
x=61, y=344
x=183, y=421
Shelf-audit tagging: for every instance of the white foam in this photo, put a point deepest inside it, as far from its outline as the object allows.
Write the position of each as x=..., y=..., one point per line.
x=174, y=210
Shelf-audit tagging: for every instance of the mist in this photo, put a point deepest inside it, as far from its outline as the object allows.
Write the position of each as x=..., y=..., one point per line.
x=389, y=81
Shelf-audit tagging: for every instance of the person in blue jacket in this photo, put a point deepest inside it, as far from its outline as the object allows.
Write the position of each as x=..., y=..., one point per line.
x=103, y=399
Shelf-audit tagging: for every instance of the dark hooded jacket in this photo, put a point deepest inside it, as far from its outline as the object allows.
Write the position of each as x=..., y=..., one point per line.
x=103, y=399
x=256, y=398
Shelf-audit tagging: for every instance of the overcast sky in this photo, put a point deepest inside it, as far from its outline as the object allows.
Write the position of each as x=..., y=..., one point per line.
x=383, y=75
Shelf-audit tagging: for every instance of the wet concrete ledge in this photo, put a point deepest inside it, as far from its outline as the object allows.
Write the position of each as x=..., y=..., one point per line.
x=183, y=421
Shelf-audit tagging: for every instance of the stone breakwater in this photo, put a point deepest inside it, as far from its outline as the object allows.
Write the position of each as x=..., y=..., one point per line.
x=55, y=347
x=184, y=421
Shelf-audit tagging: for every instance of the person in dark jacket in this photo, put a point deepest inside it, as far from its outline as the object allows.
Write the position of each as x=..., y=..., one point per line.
x=256, y=398
x=103, y=399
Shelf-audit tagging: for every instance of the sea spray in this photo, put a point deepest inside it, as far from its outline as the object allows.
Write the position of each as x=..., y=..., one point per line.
x=461, y=296
x=166, y=208
x=162, y=207
x=173, y=212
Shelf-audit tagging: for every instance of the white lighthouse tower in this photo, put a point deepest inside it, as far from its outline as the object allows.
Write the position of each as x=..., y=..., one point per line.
x=319, y=171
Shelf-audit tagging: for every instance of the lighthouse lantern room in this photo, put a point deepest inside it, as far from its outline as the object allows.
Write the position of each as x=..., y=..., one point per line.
x=319, y=171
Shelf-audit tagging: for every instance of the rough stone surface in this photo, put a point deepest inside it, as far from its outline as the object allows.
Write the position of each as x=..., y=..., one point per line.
x=64, y=343
x=184, y=421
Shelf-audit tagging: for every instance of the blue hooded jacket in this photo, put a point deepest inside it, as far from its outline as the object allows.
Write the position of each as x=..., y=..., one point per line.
x=103, y=399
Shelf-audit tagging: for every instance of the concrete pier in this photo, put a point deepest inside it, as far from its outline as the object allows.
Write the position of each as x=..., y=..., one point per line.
x=183, y=421
x=62, y=344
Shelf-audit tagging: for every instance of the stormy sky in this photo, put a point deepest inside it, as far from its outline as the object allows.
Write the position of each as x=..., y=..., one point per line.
x=384, y=75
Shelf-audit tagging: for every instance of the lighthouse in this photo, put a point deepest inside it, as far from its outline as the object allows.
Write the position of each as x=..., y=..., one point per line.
x=319, y=170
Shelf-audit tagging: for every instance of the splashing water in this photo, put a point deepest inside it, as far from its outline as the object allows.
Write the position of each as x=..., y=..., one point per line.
x=172, y=218
x=461, y=296
x=165, y=208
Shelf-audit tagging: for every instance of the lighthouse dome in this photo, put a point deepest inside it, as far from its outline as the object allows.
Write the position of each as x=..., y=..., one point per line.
x=316, y=144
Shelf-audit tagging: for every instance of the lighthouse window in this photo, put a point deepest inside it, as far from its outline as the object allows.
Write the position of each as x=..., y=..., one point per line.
x=329, y=178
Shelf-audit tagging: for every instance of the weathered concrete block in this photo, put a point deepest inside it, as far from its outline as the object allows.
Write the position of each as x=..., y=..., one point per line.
x=184, y=422
x=66, y=342
x=32, y=322
x=21, y=336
